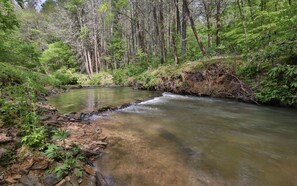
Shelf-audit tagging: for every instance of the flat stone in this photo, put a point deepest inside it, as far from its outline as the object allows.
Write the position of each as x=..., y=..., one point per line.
x=10, y=180
x=45, y=118
x=40, y=165
x=50, y=180
x=4, y=138
x=26, y=165
x=17, y=177
x=74, y=180
x=29, y=180
x=13, y=179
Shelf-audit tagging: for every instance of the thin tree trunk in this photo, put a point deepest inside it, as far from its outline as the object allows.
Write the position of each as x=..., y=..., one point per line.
x=162, y=37
x=90, y=63
x=178, y=25
x=184, y=30
x=157, y=40
x=251, y=8
x=207, y=15
x=218, y=17
x=242, y=19
x=194, y=29
x=86, y=62
x=133, y=31
x=175, y=49
x=174, y=33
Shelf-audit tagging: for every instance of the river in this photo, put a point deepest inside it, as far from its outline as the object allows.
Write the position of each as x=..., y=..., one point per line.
x=186, y=140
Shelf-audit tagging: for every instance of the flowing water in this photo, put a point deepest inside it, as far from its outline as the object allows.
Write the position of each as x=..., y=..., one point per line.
x=185, y=140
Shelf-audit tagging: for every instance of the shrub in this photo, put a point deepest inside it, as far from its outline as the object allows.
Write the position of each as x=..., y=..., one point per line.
x=102, y=78
x=280, y=86
x=66, y=76
x=36, y=138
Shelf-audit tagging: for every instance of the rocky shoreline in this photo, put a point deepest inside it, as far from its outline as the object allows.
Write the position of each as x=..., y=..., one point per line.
x=30, y=167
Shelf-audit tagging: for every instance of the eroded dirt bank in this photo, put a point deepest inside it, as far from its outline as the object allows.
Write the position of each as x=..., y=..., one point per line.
x=215, y=79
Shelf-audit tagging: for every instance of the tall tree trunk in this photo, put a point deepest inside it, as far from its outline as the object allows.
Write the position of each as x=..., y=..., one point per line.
x=184, y=30
x=133, y=31
x=86, y=62
x=174, y=33
x=194, y=29
x=218, y=17
x=90, y=63
x=251, y=9
x=162, y=37
x=175, y=49
x=157, y=32
x=242, y=19
x=207, y=15
x=178, y=25
x=96, y=60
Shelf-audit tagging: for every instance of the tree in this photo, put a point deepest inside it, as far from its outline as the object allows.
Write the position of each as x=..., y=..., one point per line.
x=188, y=13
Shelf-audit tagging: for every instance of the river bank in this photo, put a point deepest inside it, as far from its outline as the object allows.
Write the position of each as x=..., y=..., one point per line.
x=31, y=167
x=83, y=133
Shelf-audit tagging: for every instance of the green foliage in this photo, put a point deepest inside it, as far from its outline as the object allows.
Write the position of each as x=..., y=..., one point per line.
x=280, y=86
x=121, y=76
x=66, y=76
x=69, y=159
x=140, y=55
x=57, y=55
x=102, y=78
x=15, y=51
x=60, y=134
x=13, y=75
x=67, y=166
x=147, y=80
x=7, y=16
x=19, y=90
x=117, y=48
x=52, y=151
x=35, y=138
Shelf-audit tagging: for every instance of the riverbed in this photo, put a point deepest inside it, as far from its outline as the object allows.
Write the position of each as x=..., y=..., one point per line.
x=186, y=140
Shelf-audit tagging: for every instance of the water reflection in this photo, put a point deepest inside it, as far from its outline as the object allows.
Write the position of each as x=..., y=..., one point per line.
x=94, y=98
